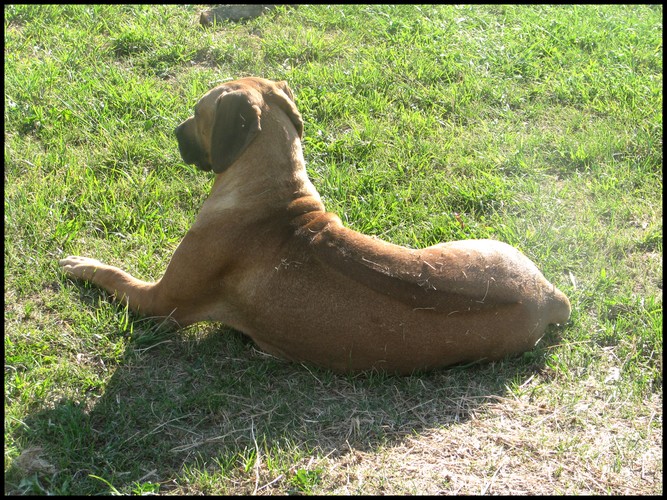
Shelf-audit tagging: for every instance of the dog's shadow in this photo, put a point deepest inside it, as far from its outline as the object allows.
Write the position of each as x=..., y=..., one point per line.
x=204, y=397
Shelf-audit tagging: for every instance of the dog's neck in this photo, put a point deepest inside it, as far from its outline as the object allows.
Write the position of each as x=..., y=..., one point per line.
x=286, y=180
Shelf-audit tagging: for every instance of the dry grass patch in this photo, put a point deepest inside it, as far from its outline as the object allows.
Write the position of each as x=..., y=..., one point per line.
x=515, y=447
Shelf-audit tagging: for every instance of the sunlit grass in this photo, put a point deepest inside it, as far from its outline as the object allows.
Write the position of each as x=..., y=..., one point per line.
x=539, y=125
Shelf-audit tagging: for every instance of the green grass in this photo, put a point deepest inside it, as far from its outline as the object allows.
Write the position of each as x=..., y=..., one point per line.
x=540, y=126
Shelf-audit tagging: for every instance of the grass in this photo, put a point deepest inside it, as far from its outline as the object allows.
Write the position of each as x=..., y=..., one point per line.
x=536, y=125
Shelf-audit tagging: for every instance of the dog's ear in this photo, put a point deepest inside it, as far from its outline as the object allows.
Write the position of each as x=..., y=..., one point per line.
x=288, y=106
x=236, y=125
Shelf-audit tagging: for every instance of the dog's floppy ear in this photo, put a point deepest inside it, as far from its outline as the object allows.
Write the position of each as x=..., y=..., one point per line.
x=236, y=125
x=288, y=106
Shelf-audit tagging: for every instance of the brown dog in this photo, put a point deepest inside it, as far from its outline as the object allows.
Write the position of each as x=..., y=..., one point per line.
x=265, y=258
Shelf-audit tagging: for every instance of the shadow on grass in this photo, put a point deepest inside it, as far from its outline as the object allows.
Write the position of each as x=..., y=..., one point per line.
x=187, y=400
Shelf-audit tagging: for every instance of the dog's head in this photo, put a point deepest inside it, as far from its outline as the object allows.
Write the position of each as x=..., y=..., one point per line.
x=228, y=118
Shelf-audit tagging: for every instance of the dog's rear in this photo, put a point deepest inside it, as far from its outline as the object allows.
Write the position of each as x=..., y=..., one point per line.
x=350, y=302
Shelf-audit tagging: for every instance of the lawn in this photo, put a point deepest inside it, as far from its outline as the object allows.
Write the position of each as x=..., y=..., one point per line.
x=537, y=125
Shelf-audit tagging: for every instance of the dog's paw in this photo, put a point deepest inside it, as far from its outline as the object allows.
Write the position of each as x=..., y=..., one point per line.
x=80, y=267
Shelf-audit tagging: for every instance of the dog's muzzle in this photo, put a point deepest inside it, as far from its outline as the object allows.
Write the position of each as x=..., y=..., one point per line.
x=190, y=150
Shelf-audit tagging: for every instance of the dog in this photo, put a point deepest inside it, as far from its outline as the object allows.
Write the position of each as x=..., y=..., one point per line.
x=265, y=258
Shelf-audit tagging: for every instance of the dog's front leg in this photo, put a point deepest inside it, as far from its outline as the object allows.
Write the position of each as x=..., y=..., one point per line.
x=140, y=295
x=187, y=292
